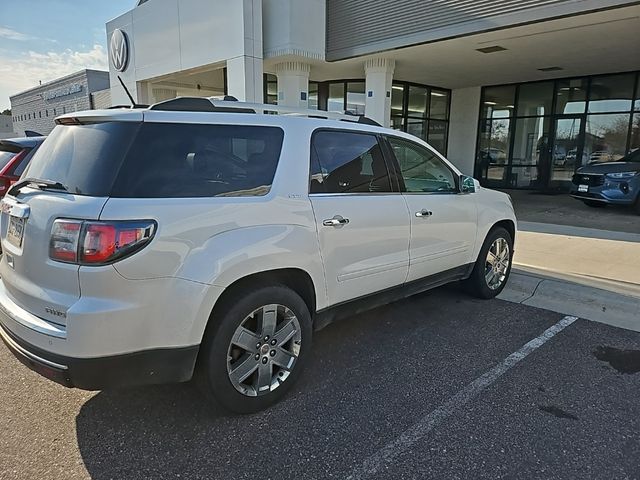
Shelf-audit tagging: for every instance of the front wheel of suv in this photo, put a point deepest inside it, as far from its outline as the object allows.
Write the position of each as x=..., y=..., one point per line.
x=258, y=349
x=493, y=266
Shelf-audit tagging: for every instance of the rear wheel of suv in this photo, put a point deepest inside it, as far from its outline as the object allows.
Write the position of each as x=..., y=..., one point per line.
x=493, y=266
x=258, y=349
x=594, y=204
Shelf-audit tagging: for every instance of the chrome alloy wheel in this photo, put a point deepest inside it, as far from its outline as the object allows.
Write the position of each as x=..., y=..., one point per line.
x=264, y=350
x=497, y=263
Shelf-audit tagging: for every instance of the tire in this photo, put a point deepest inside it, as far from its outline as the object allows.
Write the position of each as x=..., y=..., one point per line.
x=223, y=364
x=478, y=283
x=637, y=205
x=593, y=204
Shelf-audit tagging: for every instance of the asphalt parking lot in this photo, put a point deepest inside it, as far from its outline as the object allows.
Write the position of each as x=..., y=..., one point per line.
x=437, y=386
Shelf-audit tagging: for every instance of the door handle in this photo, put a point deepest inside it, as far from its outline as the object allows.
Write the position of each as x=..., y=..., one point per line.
x=424, y=213
x=336, y=221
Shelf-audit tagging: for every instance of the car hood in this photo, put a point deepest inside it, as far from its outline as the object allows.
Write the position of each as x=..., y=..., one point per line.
x=610, y=167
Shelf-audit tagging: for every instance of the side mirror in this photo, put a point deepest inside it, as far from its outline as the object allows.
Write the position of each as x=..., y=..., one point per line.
x=467, y=184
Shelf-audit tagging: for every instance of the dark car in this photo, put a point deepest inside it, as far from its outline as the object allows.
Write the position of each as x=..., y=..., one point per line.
x=609, y=183
x=15, y=154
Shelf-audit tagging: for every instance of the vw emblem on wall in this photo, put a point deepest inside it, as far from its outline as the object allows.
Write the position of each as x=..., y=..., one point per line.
x=119, y=50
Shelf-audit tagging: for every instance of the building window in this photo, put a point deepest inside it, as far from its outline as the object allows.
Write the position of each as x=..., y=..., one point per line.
x=54, y=112
x=270, y=83
x=40, y=114
x=314, y=96
x=422, y=111
x=535, y=135
x=46, y=112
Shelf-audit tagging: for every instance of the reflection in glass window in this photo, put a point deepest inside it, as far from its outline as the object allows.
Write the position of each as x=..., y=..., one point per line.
x=417, y=106
x=397, y=100
x=493, y=153
x=498, y=102
x=612, y=93
x=345, y=162
x=534, y=99
x=437, y=135
x=571, y=96
x=531, y=141
x=271, y=89
x=417, y=127
x=421, y=169
x=356, y=97
x=313, y=95
x=397, y=123
x=335, y=102
x=606, y=137
x=439, y=107
x=634, y=143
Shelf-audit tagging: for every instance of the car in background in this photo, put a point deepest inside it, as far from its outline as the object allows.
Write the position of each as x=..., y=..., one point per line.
x=493, y=156
x=609, y=183
x=15, y=155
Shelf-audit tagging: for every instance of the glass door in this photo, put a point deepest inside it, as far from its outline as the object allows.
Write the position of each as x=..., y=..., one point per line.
x=565, y=154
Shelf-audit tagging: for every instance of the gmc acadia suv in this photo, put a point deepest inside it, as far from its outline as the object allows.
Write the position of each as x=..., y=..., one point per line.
x=204, y=239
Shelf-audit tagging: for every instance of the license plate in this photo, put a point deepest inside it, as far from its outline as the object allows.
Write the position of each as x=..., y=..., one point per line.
x=583, y=188
x=15, y=231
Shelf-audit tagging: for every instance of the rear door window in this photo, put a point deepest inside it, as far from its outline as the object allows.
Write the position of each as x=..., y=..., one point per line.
x=347, y=162
x=189, y=160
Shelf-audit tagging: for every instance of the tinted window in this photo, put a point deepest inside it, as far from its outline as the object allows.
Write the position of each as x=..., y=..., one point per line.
x=186, y=160
x=84, y=158
x=19, y=169
x=345, y=162
x=421, y=169
x=5, y=157
x=150, y=160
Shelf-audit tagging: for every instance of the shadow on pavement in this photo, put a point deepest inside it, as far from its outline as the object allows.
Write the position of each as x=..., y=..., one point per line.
x=367, y=380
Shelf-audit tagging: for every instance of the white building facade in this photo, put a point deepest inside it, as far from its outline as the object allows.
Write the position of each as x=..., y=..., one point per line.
x=518, y=93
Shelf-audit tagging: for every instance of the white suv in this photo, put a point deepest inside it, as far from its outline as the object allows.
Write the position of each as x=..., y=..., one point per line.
x=203, y=238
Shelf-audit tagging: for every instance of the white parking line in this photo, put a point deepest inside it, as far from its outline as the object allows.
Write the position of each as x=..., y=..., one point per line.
x=376, y=462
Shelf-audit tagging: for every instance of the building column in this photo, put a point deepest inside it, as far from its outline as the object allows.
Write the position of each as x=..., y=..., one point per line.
x=244, y=79
x=293, y=84
x=379, y=80
x=463, y=128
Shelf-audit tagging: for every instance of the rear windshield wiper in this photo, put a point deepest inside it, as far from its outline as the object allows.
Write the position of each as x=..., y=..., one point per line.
x=42, y=184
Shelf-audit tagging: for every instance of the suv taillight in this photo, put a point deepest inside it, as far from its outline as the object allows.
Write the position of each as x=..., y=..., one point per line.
x=98, y=243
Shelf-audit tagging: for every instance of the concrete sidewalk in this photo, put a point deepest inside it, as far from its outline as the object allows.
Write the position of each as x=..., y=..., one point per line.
x=593, y=274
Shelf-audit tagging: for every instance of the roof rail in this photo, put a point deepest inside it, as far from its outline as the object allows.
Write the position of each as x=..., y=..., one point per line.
x=231, y=105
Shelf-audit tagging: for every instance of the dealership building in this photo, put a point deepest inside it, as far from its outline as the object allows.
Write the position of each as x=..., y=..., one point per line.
x=518, y=93
x=35, y=109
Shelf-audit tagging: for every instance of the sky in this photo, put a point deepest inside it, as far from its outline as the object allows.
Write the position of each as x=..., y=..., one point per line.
x=41, y=40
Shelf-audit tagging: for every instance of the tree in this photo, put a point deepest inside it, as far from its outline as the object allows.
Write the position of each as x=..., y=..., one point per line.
x=6, y=112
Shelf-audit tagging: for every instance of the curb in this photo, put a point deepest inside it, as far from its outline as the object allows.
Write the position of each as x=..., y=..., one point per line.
x=570, y=298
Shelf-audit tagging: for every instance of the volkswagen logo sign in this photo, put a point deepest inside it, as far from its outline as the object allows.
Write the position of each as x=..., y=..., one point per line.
x=119, y=50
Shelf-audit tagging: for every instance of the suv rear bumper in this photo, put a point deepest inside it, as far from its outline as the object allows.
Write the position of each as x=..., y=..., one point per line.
x=165, y=365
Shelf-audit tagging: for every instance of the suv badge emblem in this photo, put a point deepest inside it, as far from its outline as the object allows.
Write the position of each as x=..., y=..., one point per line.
x=54, y=312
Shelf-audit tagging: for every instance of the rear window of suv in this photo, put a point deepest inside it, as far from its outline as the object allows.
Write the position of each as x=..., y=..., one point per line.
x=160, y=160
